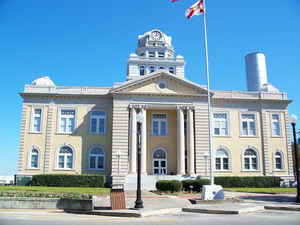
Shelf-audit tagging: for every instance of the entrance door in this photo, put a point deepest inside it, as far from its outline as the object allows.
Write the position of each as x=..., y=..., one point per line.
x=159, y=162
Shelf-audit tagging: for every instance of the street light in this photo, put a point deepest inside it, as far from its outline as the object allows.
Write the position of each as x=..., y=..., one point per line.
x=293, y=120
x=139, y=201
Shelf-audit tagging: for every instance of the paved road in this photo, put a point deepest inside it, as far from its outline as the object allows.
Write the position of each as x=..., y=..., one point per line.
x=38, y=217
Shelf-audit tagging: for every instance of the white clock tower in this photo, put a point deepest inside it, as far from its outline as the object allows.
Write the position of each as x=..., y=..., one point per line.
x=154, y=52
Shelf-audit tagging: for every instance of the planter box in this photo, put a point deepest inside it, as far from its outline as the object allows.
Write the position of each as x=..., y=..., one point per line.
x=76, y=204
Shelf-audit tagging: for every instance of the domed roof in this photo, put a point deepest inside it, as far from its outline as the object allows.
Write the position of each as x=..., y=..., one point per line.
x=43, y=81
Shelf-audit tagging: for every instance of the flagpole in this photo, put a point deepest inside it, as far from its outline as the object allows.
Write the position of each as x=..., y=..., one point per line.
x=208, y=99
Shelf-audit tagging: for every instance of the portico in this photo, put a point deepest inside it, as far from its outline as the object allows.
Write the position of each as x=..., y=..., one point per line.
x=165, y=147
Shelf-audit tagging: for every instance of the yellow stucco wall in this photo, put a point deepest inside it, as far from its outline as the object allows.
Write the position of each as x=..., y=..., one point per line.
x=34, y=140
x=168, y=142
x=277, y=143
x=80, y=141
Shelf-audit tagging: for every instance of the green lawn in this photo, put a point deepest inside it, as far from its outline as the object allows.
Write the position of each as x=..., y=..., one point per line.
x=264, y=190
x=51, y=192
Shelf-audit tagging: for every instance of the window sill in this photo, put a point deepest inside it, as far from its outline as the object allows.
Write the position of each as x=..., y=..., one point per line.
x=60, y=133
x=244, y=136
x=102, y=170
x=273, y=136
x=34, y=132
x=60, y=169
x=222, y=136
x=33, y=169
x=223, y=171
x=251, y=171
x=279, y=170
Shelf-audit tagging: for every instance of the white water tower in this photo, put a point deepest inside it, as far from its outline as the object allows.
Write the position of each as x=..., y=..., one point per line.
x=256, y=71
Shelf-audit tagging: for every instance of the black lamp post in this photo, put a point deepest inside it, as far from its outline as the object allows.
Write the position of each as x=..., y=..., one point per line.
x=293, y=120
x=139, y=201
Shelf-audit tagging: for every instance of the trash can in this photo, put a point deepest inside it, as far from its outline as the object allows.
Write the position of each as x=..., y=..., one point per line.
x=117, y=197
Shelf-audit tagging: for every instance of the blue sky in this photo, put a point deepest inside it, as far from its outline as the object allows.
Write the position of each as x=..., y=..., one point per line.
x=88, y=42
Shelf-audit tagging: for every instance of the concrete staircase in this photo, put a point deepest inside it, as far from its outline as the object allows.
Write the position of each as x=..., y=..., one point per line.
x=149, y=181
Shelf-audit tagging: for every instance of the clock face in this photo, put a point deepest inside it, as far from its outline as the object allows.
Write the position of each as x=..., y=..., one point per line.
x=156, y=35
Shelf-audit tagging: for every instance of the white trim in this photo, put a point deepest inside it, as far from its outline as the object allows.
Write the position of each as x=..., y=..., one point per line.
x=56, y=167
x=159, y=120
x=58, y=119
x=282, y=160
x=98, y=118
x=227, y=121
x=255, y=122
x=152, y=160
x=165, y=82
x=257, y=160
x=88, y=158
x=29, y=155
x=221, y=147
x=271, y=124
x=33, y=108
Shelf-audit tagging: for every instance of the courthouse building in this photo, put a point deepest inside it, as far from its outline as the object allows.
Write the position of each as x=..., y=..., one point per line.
x=92, y=130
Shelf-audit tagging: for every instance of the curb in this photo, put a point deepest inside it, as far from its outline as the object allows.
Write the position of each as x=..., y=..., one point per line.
x=220, y=211
x=128, y=212
x=287, y=208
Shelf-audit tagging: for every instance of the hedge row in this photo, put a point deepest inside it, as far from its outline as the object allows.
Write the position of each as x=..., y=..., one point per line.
x=169, y=185
x=257, y=182
x=194, y=185
x=64, y=180
x=226, y=182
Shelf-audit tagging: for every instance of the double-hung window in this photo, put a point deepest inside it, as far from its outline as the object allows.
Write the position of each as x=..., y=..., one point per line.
x=159, y=125
x=222, y=159
x=98, y=122
x=151, y=54
x=37, y=117
x=142, y=70
x=67, y=121
x=248, y=125
x=97, y=159
x=161, y=54
x=220, y=124
x=250, y=160
x=275, y=125
x=65, y=158
x=278, y=160
x=34, y=159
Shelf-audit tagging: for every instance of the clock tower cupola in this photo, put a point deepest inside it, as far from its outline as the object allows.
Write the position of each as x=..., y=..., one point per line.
x=154, y=52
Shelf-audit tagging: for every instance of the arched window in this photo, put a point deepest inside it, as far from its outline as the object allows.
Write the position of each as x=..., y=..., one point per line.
x=151, y=69
x=65, y=158
x=222, y=159
x=97, y=159
x=250, y=159
x=278, y=160
x=34, y=159
x=171, y=70
x=159, y=161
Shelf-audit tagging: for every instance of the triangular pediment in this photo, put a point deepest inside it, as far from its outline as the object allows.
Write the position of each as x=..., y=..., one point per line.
x=161, y=83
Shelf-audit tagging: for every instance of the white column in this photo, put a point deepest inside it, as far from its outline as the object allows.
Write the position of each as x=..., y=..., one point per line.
x=144, y=142
x=180, y=142
x=190, y=141
x=133, y=141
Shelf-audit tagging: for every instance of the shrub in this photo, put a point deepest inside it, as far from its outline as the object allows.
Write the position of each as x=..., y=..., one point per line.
x=169, y=185
x=258, y=182
x=65, y=180
x=197, y=184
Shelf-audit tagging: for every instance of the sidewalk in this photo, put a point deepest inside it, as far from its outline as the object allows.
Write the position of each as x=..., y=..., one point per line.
x=155, y=204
